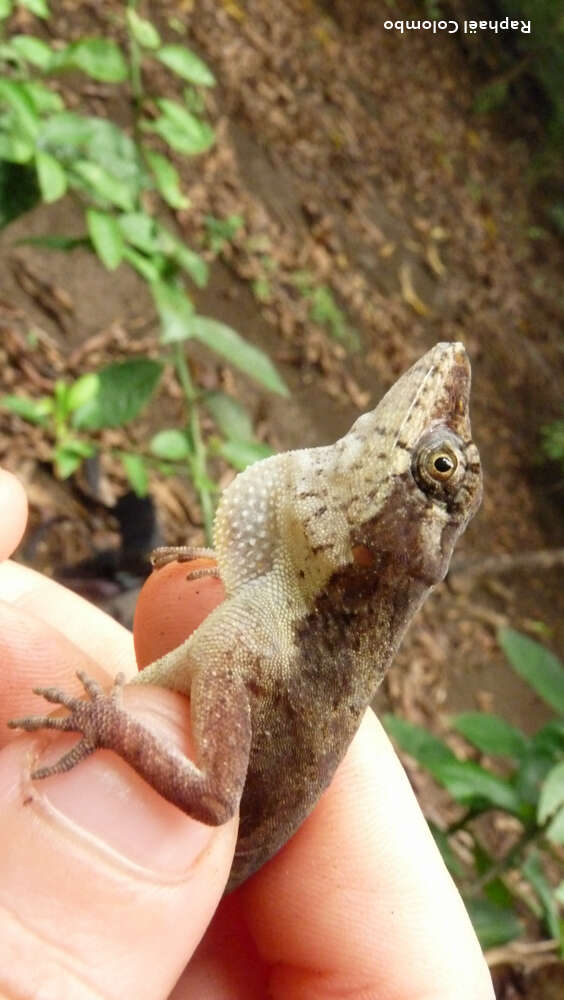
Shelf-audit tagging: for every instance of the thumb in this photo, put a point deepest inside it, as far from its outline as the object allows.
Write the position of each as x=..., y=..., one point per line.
x=108, y=886
x=110, y=904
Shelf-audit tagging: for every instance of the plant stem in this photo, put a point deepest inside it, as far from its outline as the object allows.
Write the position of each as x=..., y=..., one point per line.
x=527, y=837
x=198, y=464
x=135, y=67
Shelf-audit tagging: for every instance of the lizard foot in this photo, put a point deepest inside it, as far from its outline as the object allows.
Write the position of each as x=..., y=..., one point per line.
x=178, y=553
x=94, y=718
x=209, y=792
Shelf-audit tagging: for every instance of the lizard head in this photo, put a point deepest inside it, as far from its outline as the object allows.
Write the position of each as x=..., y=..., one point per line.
x=419, y=479
x=375, y=519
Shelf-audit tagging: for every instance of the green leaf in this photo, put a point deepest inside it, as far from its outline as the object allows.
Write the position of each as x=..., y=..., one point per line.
x=417, y=741
x=104, y=184
x=533, y=870
x=186, y=64
x=181, y=129
x=106, y=237
x=14, y=149
x=148, y=268
x=44, y=100
x=232, y=419
x=472, y=785
x=494, y=925
x=192, y=263
x=495, y=888
x=220, y=230
x=37, y=7
x=5, y=8
x=142, y=231
x=136, y=472
x=143, y=31
x=66, y=134
x=15, y=96
x=150, y=236
x=550, y=738
x=33, y=50
x=64, y=243
x=99, y=58
x=52, y=178
x=325, y=312
x=171, y=445
x=466, y=781
x=71, y=137
x=175, y=311
x=536, y=665
x=555, y=829
x=82, y=391
x=527, y=782
x=451, y=860
x=190, y=143
x=241, y=454
x=69, y=456
x=552, y=793
x=123, y=389
x=61, y=400
x=491, y=734
x=230, y=345
x=262, y=289
x=35, y=411
x=166, y=179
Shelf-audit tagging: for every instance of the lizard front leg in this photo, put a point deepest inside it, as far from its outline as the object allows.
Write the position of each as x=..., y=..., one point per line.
x=209, y=789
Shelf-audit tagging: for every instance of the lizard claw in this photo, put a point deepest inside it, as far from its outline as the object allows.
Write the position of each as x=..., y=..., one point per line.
x=90, y=717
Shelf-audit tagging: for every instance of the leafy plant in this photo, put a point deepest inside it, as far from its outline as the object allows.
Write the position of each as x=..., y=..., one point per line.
x=324, y=311
x=553, y=441
x=46, y=151
x=220, y=231
x=526, y=781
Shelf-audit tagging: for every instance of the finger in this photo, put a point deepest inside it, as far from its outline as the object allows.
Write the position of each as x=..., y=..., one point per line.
x=359, y=901
x=13, y=508
x=86, y=626
x=226, y=965
x=112, y=852
x=347, y=852
x=171, y=606
x=33, y=653
x=107, y=885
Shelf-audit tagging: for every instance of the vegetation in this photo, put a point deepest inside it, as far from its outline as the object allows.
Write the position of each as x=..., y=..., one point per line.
x=521, y=776
x=553, y=441
x=522, y=69
x=126, y=183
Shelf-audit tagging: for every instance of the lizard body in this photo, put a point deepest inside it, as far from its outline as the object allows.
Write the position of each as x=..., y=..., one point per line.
x=325, y=555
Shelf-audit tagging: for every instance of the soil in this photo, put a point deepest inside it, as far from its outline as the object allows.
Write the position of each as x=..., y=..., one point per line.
x=353, y=154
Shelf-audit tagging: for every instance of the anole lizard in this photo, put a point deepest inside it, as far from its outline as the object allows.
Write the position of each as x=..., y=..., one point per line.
x=325, y=555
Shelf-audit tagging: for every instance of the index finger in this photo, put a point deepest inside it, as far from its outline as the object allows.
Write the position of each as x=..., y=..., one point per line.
x=360, y=900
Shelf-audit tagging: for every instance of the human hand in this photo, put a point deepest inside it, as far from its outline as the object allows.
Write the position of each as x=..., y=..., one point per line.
x=107, y=889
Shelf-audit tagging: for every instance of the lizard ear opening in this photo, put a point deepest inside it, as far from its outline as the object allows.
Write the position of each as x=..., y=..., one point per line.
x=362, y=556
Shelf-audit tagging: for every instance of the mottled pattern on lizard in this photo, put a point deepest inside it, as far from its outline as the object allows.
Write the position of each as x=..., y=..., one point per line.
x=325, y=555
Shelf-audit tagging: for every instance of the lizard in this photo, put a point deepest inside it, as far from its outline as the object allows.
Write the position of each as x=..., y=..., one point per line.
x=325, y=555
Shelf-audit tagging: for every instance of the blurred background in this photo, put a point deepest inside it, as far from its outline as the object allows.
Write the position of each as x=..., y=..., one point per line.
x=227, y=227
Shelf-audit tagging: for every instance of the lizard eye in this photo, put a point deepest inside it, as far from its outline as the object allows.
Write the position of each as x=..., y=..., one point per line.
x=438, y=464
x=442, y=464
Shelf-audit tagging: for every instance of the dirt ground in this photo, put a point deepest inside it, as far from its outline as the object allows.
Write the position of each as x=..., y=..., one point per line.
x=352, y=153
